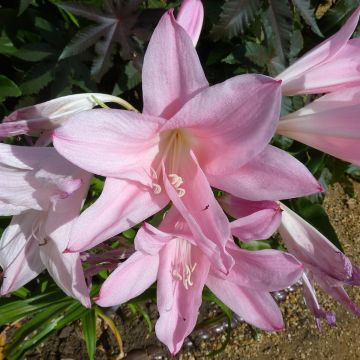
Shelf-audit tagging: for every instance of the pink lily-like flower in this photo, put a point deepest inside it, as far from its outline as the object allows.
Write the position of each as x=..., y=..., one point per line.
x=191, y=18
x=40, y=119
x=45, y=193
x=190, y=136
x=330, y=124
x=255, y=220
x=170, y=256
x=330, y=66
x=323, y=262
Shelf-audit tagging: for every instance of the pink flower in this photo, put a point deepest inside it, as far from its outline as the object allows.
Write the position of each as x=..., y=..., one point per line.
x=323, y=263
x=191, y=17
x=170, y=256
x=330, y=124
x=332, y=65
x=37, y=119
x=45, y=193
x=189, y=137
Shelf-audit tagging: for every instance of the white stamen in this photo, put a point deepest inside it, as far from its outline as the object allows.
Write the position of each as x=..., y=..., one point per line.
x=183, y=269
x=177, y=181
x=156, y=188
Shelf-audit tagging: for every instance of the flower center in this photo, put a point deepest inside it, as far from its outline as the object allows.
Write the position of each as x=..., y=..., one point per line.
x=174, y=144
x=183, y=267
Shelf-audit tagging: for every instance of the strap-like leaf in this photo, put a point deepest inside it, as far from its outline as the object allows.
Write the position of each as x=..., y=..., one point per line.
x=236, y=15
x=304, y=8
x=88, y=322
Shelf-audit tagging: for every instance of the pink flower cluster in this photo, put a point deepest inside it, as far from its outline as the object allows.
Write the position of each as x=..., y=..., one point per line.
x=189, y=138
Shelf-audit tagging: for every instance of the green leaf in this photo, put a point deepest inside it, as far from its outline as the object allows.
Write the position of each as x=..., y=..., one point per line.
x=256, y=53
x=37, y=78
x=236, y=15
x=256, y=245
x=336, y=16
x=304, y=8
x=24, y=4
x=316, y=215
x=15, y=310
x=8, y=88
x=296, y=44
x=280, y=17
x=88, y=322
x=33, y=52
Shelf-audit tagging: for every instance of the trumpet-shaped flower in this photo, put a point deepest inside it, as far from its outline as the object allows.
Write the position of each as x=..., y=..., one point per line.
x=323, y=263
x=37, y=119
x=170, y=256
x=191, y=17
x=189, y=137
x=45, y=193
x=330, y=124
x=332, y=65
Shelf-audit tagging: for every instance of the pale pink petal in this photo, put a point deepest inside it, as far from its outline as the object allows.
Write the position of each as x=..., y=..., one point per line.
x=50, y=114
x=191, y=17
x=330, y=124
x=172, y=72
x=342, y=71
x=296, y=78
x=32, y=177
x=227, y=125
x=265, y=270
x=66, y=270
x=121, y=205
x=19, y=253
x=178, y=306
x=129, y=279
x=312, y=248
x=258, y=308
x=313, y=305
x=256, y=220
x=257, y=226
x=202, y=212
x=340, y=295
x=149, y=240
x=109, y=142
x=272, y=175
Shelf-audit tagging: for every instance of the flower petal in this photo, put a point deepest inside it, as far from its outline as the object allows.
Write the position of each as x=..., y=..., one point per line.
x=109, y=142
x=264, y=270
x=19, y=253
x=191, y=17
x=256, y=220
x=66, y=270
x=50, y=114
x=258, y=308
x=313, y=305
x=129, y=279
x=230, y=123
x=296, y=78
x=121, y=205
x=198, y=206
x=330, y=124
x=31, y=177
x=312, y=248
x=178, y=306
x=172, y=72
x=272, y=175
